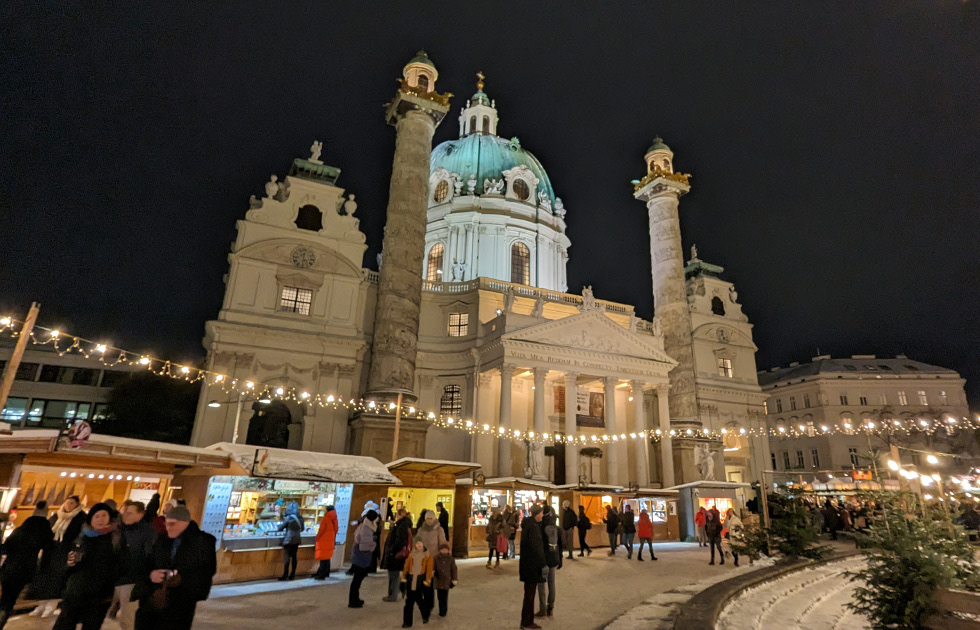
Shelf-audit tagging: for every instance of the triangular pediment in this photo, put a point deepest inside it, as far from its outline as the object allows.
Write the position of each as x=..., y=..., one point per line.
x=591, y=331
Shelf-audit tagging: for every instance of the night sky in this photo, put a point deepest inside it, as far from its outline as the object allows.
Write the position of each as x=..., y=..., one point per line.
x=834, y=147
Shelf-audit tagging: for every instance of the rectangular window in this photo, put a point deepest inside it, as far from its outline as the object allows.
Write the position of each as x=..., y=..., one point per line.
x=26, y=372
x=792, y=403
x=815, y=458
x=806, y=401
x=459, y=324
x=772, y=456
x=14, y=410
x=843, y=399
x=902, y=399
x=765, y=407
x=882, y=399
x=779, y=405
x=799, y=460
x=852, y=452
x=101, y=411
x=785, y=460
x=68, y=375
x=725, y=368
x=863, y=400
x=942, y=395
x=295, y=300
x=923, y=399
x=451, y=403
x=111, y=378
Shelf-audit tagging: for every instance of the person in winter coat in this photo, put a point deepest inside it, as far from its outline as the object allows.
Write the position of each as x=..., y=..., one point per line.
x=294, y=525
x=93, y=567
x=612, y=526
x=364, y=546
x=495, y=528
x=552, y=539
x=445, y=576
x=397, y=547
x=831, y=519
x=511, y=520
x=178, y=575
x=20, y=567
x=626, y=519
x=532, y=564
x=443, y=517
x=138, y=538
x=712, y=529
x=417, y=576
x=66, y=525
x=584, y=525
x=568, y=522
x=152, y=508
x=735, y=533
x=700, y=518
x=326, y=537
x=645, y=532
x=433, y=537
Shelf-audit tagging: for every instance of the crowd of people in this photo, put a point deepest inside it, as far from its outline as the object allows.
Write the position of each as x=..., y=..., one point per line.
x=147, y=569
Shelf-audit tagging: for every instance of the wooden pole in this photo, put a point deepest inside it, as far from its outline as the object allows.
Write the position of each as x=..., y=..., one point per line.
x=398, y=422
x=11, y=370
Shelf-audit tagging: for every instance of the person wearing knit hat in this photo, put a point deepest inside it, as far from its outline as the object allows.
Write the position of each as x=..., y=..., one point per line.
x=365, y=544
x=94, y=568
x=417, y=577
x=445, y=576
x=535, y=510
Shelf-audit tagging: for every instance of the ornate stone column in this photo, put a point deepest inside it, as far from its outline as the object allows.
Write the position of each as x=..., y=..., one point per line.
x=666, y=443
x=614, y=450
x=452, y=255
x=414, y=112
x=641, y=460
x=539, y=424
x=571, y=431
x=504, y=467
x=468, y=253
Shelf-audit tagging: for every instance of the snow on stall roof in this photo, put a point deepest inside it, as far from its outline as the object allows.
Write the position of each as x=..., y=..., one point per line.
x=712, y=484
x=431, y=465
x=500, y=481
x=309, y=466
x=111, y=440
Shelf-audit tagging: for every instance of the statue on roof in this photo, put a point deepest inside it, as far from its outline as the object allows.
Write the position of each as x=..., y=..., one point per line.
x=694, y=253
x=588, y=299
x=315, y=150
x=271, y=187
x=350, y=206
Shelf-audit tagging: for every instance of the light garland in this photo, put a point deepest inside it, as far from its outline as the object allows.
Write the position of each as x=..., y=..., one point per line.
x=111, y=356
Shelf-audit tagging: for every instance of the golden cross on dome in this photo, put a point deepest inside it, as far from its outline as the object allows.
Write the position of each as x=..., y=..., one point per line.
x=479, y=83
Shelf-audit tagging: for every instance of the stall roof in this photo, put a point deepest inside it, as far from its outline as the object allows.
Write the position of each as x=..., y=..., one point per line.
x=46, y=441
x=280, y=463
x=506, y=481
x=670, y=492
x=711, y=484
x=416, y=464
x=597, y=487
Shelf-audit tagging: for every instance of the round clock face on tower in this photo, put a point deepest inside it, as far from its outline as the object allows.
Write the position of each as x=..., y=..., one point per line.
x=303, y=257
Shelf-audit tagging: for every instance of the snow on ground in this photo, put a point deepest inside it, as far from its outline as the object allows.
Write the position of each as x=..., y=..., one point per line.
x=811, y=599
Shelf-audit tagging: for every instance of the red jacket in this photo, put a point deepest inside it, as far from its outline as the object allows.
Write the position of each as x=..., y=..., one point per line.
x=644, y=529
x=325, y=536
x=699, y=518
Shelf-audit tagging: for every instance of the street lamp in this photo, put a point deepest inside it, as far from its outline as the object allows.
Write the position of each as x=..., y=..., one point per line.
x=240, y=402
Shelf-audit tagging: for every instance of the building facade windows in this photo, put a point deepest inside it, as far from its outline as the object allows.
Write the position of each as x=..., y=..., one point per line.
x=779, y=405
x=520, y=263
x=792, y=403
x=725, y=368
x=942, y=395
x=923, y=399
x=843, y=399
x=442, y=191
x=459, y=324
x=295, y=300
x=451, y=403
x=433, y=264
x=882, y=399
x=14, y=410
x=852, y=453
x=786, y=465
x=903, y=399
x=772, y=456
x=799, y=460
x=717, y=306
x=815, y=458
x=806, y=401
x=423, y=83
x=863, y=400
x=486, y=124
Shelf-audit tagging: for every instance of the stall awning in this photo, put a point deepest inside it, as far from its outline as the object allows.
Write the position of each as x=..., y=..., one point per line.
x=592, y=487
x=717, y=485
x=124, y=450
x=426, y=466
x=512, y=482
x=280, y=463
x=656, y=492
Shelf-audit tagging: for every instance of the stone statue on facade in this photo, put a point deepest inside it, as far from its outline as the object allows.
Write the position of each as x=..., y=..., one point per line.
x=458, y=270
x=493, y=186
x=534, y=467
x=658, y=327
x=350, y=206
x=633, y=322
x=538, y=310
x=559, y=207
x=379, y=262
x=694, y=252
x=508, y=299
x=272, y=187
x=315, y=150
x=544, y=201
x=588, y=299
x=471, y=185
x=704, y=462
x=732, y=294
x=458, y=185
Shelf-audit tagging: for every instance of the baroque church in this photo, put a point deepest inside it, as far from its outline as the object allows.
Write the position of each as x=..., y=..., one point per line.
x=467, y=331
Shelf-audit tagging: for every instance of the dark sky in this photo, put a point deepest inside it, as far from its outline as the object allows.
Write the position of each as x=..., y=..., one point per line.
x=834, y=147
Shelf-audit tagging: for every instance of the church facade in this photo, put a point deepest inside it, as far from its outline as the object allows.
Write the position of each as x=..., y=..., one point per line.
x=468, y=326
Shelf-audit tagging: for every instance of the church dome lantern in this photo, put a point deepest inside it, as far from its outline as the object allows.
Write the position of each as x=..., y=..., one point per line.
x=659, y=157
x=421, y=73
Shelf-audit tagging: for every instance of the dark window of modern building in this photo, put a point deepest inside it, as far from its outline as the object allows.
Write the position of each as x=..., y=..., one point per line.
x=309, y=218
x=68, y=375
x=717, y=306
x=111, y=378
x=14, y=410
x=27, y=371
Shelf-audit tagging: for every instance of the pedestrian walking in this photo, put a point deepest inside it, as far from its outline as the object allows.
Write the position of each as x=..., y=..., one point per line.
x=417, y=576
x=178, y=575
x=532, y=565
x=496, y=539
x=138, y=538
x=293, y=525
x=398, y=546
x=700, y=518
x=93, y=567
x=326, y=539
x=511, y=522
x=735, y=533
x=584, y=525
x=568, y=522
x=552, y=555
x=443, y=517
x=364, y=546
x=66, y=525
x=644, y=530
x=433, y=537
x=20, y=567
x=612, y=528
x=712, y=529
x=445, y=576
x=628, y=525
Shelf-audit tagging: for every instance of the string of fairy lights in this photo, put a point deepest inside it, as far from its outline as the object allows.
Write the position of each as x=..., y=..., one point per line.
x=112, y=356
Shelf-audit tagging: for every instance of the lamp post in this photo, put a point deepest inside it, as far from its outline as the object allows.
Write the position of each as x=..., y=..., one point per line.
x=239, y=402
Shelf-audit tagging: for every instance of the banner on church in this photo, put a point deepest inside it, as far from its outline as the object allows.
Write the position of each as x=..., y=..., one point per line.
x=591, y=410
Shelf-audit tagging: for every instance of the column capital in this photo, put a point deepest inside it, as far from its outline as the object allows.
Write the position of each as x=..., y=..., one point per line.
x=610, y=381
x=508, y=369
x=539, y=375
x=571, y=376
x=637, y=386
x=663, y=389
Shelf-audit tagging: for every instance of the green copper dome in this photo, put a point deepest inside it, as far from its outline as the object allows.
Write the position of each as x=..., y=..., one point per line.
x=421, y=57
x=658, y=145
x=487, y=156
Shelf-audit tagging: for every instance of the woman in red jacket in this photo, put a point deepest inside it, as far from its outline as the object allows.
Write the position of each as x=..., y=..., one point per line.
x=644, y=530
x=326, y=536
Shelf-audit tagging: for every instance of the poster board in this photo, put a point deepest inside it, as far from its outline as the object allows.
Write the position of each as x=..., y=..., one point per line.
x=591, y=411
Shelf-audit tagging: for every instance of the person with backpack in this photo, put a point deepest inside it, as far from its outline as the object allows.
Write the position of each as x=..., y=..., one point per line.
x=628, y=526
x=552, y=558
x=568, y=523
x=584, y=525
x=293, y=525
x=398, y=546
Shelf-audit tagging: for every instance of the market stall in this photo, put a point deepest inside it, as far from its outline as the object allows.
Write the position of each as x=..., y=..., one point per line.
x=244, y=506
x=707, y=494
x=661, y=505
x=594, y=498
x=497, y=493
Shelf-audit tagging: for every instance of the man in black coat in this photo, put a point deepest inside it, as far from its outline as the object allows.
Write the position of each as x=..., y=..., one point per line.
x=712, y=529
x=399, y=536
x=181, y=567
x=21, y=549
x=138, y=537
x=443, y=521
x=568, y=522
x=612, y=528
x=532, y=563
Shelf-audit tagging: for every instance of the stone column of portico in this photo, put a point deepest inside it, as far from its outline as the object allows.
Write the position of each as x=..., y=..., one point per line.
x=571, y=445
x=614, y=449
x=639, y=424
x=504, y=467
x=396, y=318
x=539, y=423
x=666, y=443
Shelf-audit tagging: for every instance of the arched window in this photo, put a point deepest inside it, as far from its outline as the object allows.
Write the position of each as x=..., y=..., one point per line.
x=309, y=218
x=666, y=166
x=442, y=191
x=434, y=264
x=423, y=83
x=472, y=124
x=451, y=403
x=521, y=191
x=717, y=306
x=486, y=124
x=520, y=263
